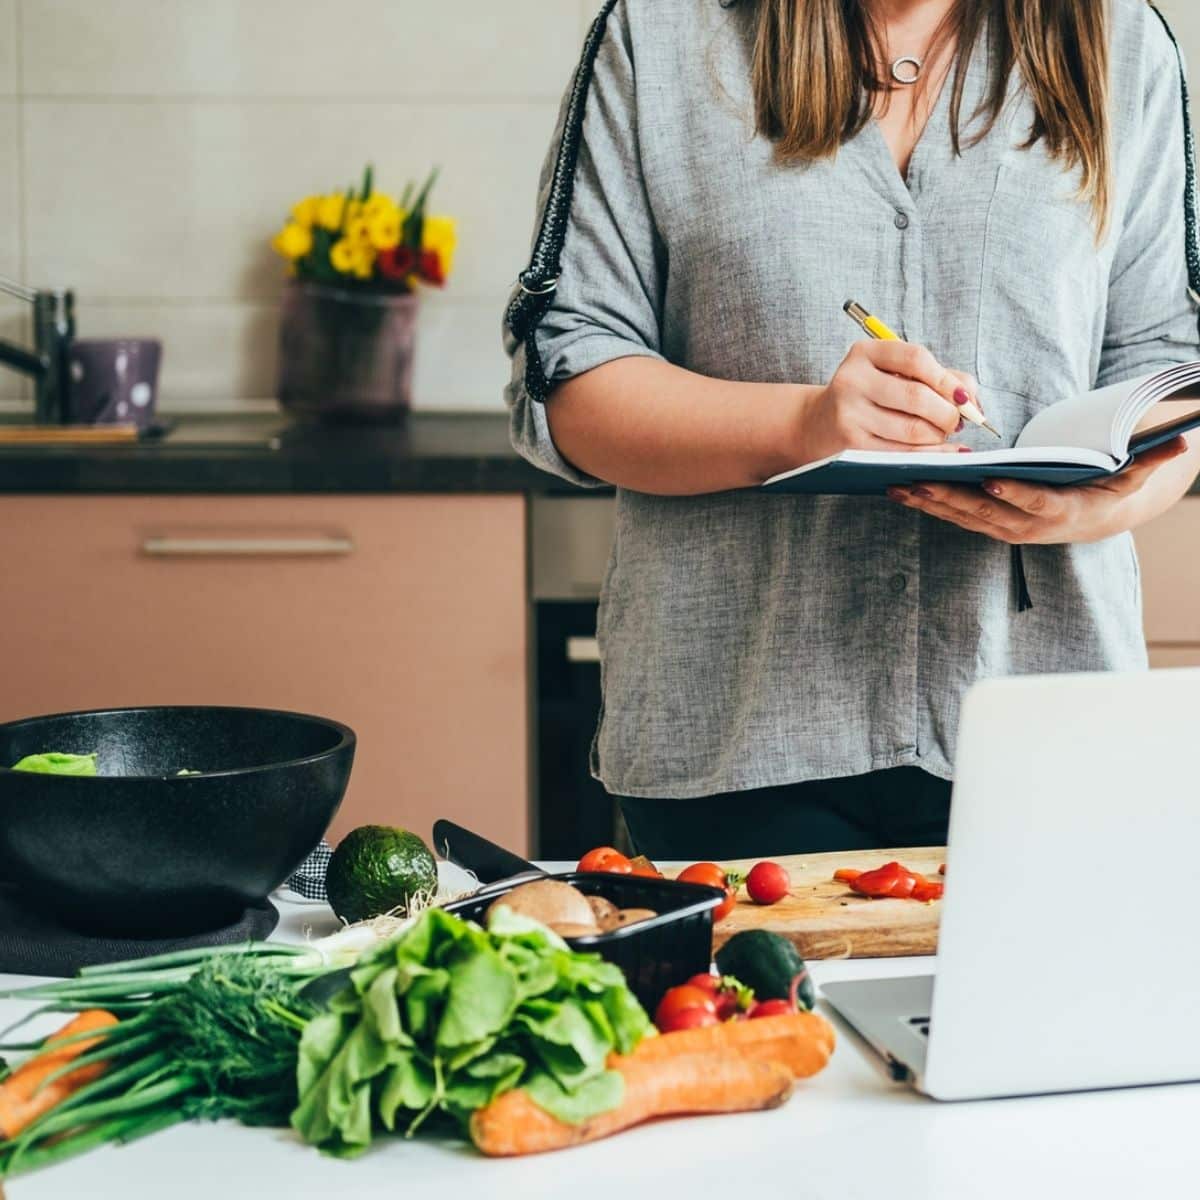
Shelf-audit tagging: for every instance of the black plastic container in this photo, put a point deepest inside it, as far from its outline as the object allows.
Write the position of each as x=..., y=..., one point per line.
x=654, y=954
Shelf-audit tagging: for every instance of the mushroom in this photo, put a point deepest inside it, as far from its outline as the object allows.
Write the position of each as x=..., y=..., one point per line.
x=630, y=916
x=551, y=902
x=604, y=911
x=575, y=931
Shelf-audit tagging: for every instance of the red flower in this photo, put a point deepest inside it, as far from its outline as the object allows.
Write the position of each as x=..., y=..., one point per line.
x=397, y=263
x=430, y=268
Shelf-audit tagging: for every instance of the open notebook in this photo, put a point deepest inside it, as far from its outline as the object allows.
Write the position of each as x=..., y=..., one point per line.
x=1085, y=437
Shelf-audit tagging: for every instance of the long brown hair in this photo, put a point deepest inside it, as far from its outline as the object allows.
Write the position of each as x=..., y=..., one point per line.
x=816, y=77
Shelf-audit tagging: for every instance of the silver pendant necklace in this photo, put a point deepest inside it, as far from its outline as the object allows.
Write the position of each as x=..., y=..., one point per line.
x=907, y=70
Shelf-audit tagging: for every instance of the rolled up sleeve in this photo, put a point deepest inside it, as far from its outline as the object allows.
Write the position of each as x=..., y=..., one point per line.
x=609, y=297
x=1152, y=318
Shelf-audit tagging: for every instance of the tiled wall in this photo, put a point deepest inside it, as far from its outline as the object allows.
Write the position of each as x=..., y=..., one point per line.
x=149, y=147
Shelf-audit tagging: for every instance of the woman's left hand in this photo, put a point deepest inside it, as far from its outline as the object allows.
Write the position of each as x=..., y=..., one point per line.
x=1030, y=514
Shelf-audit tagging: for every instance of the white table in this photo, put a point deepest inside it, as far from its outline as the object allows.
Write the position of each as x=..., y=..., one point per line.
x=849, y=1134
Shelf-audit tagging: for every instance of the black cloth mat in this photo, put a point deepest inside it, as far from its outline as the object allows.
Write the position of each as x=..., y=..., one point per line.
x=33, y=943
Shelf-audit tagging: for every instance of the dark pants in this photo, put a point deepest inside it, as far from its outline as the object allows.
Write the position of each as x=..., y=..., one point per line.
x=904, y=806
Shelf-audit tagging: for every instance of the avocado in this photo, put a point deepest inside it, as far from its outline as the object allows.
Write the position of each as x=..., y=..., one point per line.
x=377, y=869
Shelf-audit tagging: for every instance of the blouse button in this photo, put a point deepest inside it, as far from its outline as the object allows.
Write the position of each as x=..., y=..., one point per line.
x=902, y=220
x=898, y=584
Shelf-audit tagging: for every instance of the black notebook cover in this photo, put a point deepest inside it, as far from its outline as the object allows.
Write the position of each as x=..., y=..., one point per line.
x=873, y=479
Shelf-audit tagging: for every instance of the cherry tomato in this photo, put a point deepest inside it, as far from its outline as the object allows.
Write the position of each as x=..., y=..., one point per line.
x=606, y=860
x=678, y=999
x=712, y=876
x=772, y=1008
x=768, y=883
x=687, y=1018
x=726, y=998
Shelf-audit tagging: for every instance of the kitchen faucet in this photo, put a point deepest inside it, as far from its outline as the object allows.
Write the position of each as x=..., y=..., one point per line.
x=48, y=362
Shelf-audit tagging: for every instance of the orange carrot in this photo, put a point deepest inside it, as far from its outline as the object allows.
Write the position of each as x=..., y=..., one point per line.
x=846, y=875
x=801, y=1041
x=685, y=1083
x=23, y=1098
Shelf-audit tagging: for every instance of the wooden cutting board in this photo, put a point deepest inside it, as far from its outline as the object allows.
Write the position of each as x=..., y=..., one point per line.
x=824, y=919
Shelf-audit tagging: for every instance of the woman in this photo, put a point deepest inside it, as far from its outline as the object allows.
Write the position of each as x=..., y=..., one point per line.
x=1004, y=182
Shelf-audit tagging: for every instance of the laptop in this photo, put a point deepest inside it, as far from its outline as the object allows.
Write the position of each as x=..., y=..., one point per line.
x=1069, y=951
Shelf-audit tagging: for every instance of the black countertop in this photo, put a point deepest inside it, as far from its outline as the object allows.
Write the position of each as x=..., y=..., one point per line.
x=267, y=453
x=428, y=452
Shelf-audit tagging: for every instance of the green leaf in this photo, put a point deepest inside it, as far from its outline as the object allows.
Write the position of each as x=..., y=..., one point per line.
x=483, y=995
x=601, y=1093
x=381, y=1012
x=409, y=1084
x=323, y=1037
x=481, y=1082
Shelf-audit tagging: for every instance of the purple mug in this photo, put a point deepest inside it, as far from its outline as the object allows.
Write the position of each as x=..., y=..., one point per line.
x=114, y=381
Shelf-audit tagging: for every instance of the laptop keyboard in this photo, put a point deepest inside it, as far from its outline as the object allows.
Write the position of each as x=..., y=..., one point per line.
x=920, y=1024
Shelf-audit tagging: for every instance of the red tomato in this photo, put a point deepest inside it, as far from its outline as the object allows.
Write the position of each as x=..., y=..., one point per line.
x=890, y=880
x=687, y=1018
x=712, y=876
x=768, y=883
x=607, y=861
x=772, y=1008
x=679, y=999
x=928, y=889
x=726, y=998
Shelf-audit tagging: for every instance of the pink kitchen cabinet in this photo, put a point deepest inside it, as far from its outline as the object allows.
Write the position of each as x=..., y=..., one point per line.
x=1169, y=550
x=403, y=616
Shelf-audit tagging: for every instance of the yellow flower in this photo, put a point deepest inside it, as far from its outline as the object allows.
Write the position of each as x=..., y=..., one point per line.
x=343, y=256
x=305, y=212
x=364, y=262
x=358, y=231
x=383, y=228
x=441, y=235
x=330, y=210
x=293, y=241
x=377, y=204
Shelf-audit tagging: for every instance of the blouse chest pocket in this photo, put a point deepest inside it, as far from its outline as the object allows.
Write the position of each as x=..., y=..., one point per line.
x=1043, y=288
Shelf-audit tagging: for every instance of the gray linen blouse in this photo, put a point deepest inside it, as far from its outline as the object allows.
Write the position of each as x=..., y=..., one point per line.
x=752, y=640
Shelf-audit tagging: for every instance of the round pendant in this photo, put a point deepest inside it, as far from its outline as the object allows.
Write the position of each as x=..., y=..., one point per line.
x=907, y=70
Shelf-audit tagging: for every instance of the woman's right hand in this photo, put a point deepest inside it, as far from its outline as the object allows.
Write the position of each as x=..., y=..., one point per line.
x=885, y=396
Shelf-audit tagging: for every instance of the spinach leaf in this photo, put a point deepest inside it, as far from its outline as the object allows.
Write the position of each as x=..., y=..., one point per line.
x=448, y=1016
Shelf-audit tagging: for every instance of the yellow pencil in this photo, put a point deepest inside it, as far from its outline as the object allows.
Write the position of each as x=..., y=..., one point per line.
x=874, y=327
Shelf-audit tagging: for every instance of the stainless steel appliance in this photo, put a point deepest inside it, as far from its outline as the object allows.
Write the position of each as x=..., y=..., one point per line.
x=570, y=539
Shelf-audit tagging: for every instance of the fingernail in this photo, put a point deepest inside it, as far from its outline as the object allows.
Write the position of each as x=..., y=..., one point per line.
x=961, y=397
x=923, y=492
x=964, y=450
x=961, y=425
x=897, y=493
x=993, y=489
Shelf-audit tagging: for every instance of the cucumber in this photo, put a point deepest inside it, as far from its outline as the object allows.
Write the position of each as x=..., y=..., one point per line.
x=767, y=963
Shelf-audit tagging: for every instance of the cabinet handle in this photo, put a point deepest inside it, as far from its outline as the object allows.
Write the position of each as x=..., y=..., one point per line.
x=583, y=650
x=266, y=547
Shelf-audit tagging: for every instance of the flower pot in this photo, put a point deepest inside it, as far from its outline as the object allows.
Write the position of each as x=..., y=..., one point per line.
x=346, y=355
